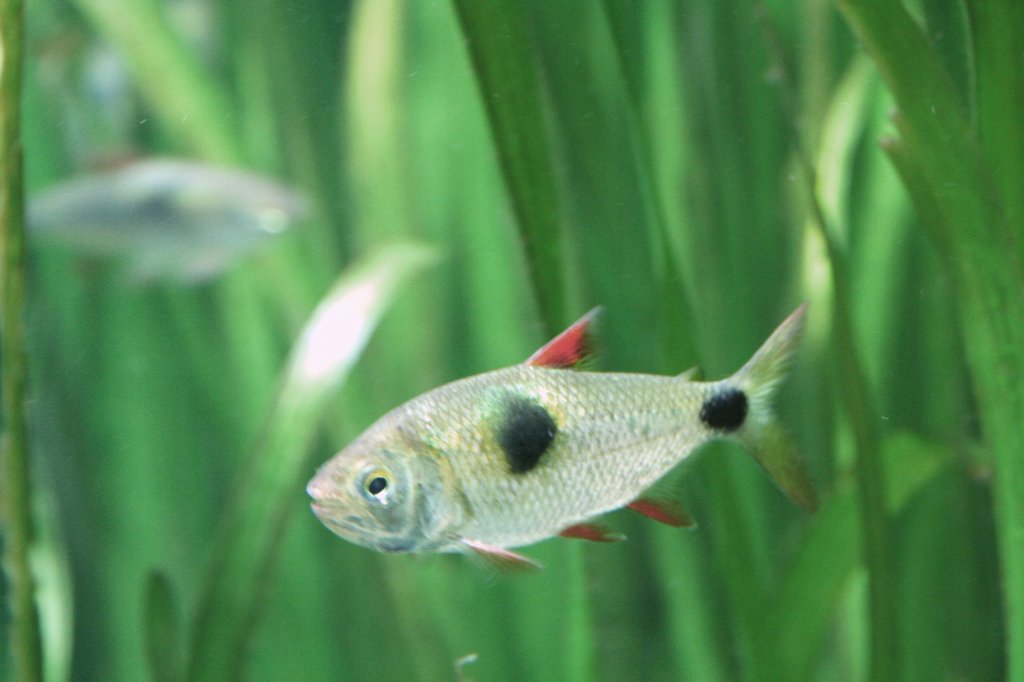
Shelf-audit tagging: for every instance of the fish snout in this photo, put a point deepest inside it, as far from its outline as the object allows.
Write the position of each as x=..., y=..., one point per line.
x=326, y=503
x=315, y=489
x=324, y=486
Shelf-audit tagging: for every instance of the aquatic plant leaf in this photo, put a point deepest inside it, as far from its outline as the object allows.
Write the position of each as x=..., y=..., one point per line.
x=910, y=463
x=157, y=391
x=829, y=555
x=960, y=173
x=19, y=535
x=995, y=33
x=161, y=625
x=329, y=344
x=507, y=70
x=628, y=30
x=180, y=90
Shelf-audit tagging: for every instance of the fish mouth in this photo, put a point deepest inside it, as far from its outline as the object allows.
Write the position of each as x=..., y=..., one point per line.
x=331, y=516
x=326, y=507
x=354, y=529
x=321, y=509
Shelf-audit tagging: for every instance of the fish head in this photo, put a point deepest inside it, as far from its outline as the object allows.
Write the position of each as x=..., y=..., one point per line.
x=386, y=495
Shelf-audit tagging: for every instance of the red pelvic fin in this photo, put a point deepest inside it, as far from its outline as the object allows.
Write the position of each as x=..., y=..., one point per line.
x=568, y=348
x=502, y=559
x=592, y=532
x=669, y=512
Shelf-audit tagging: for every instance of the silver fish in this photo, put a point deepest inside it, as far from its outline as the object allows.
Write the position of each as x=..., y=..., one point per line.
x=166, y=218
x=518, y=455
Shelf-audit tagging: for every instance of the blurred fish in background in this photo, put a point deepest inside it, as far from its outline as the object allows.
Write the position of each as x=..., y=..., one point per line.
x=166, y=219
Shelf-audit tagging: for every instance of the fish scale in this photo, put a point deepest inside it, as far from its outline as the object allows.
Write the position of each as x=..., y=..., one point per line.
x=513, y=456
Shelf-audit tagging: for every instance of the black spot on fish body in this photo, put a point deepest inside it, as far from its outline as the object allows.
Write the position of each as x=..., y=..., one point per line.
x=725, y=410
x=525, y=433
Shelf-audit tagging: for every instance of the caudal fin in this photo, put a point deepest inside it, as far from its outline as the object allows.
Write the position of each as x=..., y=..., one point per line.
x=759, y=433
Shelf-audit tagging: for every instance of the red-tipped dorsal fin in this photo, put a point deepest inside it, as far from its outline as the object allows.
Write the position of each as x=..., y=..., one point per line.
x=669, y=512
x=501, y=559
x=593, y=532
x=568, y=348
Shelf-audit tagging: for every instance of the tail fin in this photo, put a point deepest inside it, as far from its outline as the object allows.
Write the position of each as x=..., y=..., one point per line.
x=760, y=434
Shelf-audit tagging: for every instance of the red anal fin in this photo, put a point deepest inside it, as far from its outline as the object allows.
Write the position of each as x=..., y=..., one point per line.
x=592, y=532
x=568, y=348
x=502, y=559
x=669, y=512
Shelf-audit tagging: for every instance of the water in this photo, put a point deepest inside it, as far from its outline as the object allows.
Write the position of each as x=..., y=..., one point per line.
x=644, y=154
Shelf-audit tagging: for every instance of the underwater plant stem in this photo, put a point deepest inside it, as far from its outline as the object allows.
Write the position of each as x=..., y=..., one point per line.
x=962, y=197
x=856, y=395
x=994, y=338
x=871, y=483
x=26, y=644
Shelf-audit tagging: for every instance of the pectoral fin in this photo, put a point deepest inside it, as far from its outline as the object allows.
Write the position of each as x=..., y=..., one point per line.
x=502, y=559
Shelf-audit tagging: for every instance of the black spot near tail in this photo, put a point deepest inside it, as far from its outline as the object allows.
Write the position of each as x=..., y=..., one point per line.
x=525, y=433
x=725, y=410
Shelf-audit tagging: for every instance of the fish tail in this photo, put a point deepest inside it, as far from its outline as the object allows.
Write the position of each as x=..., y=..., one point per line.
x=759, y=432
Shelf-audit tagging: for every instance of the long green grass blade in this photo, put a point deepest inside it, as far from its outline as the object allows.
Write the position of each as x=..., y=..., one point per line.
x=500, y=47
x=190, y=102
x=996, y=28
x=859, y=404
x=330, y=343
x=626, y=26
x=16, y=485
x=959, y=191
x=162, y=629
x=802, y=611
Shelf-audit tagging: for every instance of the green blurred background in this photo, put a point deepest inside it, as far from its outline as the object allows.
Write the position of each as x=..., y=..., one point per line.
x=698, y=168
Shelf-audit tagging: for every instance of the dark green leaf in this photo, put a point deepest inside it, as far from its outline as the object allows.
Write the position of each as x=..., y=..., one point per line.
x=162, y=625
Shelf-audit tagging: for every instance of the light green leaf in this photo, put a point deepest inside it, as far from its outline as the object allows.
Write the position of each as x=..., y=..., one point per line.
x=329, y=344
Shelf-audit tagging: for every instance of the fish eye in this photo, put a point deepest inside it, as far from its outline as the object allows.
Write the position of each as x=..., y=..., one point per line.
x=376, y=483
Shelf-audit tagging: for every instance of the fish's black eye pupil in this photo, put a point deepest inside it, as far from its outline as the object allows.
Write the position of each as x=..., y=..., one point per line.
x=377, y=485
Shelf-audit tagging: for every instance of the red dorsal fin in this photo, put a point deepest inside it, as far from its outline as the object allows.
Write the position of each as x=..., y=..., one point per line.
x=568, y=348
x=669, y=512
x=501, y=559
x=593, y=532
